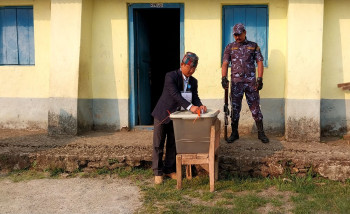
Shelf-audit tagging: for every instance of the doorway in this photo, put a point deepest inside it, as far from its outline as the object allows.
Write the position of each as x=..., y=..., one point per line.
x=156, y=50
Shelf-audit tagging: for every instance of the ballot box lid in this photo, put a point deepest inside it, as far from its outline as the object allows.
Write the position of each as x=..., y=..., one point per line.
x=189, y=115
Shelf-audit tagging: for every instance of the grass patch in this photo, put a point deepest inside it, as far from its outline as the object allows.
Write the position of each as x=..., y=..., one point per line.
x=55, y=172
x=276, y=202
x=25, y=175
x=332, y=197
x=236, y=194
x=248, y=203
x=103, y=171
x=134, y=173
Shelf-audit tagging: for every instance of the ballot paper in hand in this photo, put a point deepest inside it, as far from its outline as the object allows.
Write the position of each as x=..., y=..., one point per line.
x=187, y=95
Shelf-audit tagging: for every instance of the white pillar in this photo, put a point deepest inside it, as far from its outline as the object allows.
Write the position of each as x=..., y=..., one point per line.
x=64, y=68
x=303, y=78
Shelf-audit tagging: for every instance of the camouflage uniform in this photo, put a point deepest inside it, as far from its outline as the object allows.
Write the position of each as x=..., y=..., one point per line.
x=243, y=57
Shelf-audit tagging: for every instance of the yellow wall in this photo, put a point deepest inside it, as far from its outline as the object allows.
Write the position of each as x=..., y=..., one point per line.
x=30, y=81
x=202, y=31
x=110, y=46
x=336, y=49
x=110, y=50
x=274, y=74
x=104, y=50
x=85, y=65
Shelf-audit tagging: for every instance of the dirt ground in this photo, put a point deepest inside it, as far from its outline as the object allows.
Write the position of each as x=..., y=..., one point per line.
x=73, y=195
x=18, y=141
x=39, y=138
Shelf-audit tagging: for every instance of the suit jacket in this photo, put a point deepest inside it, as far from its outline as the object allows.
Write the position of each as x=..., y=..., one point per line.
x=171, y=97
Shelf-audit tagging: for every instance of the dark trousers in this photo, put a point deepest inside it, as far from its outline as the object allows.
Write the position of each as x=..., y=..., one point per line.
x=252, y=96
x=160, y=133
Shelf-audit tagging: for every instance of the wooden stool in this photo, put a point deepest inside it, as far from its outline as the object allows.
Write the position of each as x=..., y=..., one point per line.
x=209, y=159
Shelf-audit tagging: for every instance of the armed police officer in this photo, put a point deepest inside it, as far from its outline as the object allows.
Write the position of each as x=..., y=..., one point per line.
x=243, y=54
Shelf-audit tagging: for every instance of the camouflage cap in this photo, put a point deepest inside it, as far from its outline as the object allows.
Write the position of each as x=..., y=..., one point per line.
x=190, y=59
x=238, y=28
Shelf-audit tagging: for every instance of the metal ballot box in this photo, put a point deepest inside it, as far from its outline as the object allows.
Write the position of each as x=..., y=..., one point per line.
x=192, y=134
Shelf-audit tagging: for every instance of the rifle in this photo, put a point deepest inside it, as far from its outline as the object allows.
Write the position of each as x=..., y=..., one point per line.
x=226, y=111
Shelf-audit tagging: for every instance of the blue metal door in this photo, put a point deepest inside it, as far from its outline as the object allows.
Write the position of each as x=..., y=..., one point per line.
x=143, y=70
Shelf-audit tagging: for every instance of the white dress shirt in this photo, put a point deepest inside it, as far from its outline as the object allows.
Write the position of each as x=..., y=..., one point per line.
x=185, y=81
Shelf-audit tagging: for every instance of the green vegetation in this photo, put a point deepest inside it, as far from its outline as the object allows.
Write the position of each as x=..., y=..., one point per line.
x=234, y=194
x=55, y=172
x=24, y=175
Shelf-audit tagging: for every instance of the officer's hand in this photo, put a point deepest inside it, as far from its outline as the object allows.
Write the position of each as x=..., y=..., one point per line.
x=259, y=83
x=194, y=109
x=224, y=82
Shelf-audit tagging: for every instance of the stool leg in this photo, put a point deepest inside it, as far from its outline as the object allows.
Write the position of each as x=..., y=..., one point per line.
x=212, y=173
x=178, y=171
x=189, y=172
x=216, y=167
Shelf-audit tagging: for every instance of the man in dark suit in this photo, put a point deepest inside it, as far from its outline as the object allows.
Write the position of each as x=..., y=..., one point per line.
x=177, y=84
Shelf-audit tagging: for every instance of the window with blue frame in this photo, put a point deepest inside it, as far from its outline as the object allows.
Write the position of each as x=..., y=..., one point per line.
x=256, y=20
x=16, y=36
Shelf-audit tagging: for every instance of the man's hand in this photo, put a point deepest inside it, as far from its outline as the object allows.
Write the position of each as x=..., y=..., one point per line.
x=259, y=84
x=224, y=82
x=194, y=109
x=203, y=109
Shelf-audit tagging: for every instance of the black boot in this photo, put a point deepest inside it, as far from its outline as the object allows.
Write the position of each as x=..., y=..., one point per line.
x=234, y=135
x=261, y=133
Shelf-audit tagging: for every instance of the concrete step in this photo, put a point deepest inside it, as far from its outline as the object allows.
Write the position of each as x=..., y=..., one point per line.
x=97, y=150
